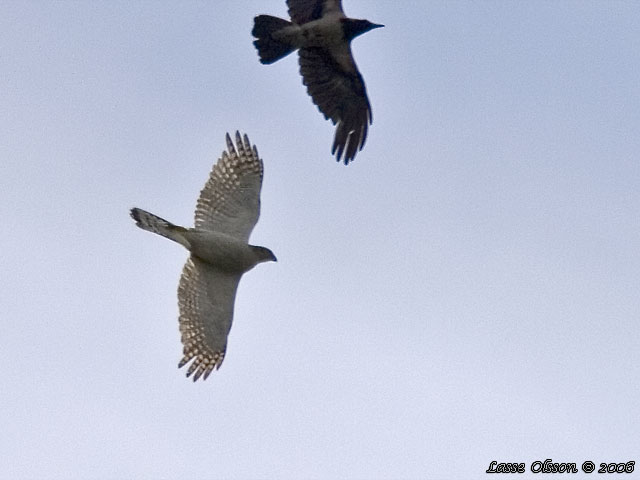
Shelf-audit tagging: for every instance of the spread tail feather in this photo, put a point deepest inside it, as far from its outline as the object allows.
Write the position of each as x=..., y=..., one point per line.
x=152, y=223
x=269, y=49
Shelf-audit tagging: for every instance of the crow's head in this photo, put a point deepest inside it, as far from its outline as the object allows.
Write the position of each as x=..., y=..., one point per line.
x=353, y=28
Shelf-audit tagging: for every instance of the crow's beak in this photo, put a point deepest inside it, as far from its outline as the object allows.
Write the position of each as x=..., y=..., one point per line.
x=376, y=25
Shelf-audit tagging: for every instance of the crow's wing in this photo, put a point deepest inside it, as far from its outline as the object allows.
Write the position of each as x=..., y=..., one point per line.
x=303, y=11
x=337, y=88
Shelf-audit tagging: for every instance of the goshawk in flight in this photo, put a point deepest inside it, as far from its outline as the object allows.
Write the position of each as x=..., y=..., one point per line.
x=322, y=34
x=226, y=212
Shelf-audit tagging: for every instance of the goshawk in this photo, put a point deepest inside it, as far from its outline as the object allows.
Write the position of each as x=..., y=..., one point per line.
x=226, y=212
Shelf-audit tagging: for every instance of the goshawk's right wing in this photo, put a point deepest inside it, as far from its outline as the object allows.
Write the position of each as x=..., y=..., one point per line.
x=229, y=203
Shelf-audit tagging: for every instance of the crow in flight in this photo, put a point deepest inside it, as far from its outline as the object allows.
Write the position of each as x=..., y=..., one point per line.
x=322, y=34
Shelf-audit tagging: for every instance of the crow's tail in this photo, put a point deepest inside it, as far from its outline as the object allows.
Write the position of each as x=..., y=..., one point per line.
x=269, y=49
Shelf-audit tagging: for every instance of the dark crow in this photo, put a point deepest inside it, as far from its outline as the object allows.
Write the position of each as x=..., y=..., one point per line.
x=322, y=34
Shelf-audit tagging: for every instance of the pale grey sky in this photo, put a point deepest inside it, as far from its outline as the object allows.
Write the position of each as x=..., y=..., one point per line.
x=465, y=291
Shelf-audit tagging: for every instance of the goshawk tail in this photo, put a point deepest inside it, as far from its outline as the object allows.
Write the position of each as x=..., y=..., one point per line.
x=153, y=223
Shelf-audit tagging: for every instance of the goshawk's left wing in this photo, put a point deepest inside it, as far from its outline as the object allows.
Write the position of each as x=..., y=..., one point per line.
x=206, y=296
